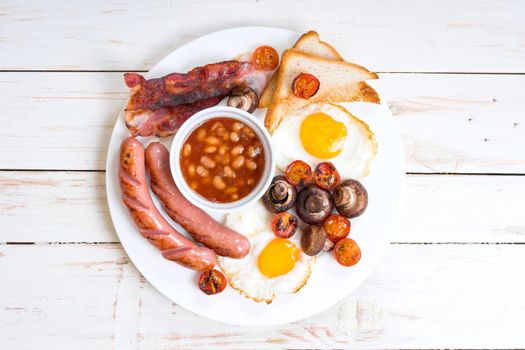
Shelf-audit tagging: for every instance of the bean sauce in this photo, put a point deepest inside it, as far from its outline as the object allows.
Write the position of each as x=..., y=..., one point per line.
x=222, y=160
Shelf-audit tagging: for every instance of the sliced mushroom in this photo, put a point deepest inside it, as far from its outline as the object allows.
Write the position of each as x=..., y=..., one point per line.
x=313, y=240
x=351, y=198
x=328, y=245
x=314, y=204
x=280, y=196
x=244, y=98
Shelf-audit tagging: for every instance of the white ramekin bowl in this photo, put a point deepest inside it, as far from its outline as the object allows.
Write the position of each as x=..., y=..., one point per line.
x=195, y=121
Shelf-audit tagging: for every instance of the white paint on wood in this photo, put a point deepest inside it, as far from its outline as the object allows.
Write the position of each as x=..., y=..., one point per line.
x=474, y=36
x=421, y=296
x=437, y=296
x=54, y=207
x=449, y=123
x=459, y=123
x=72, y=207
x=57, y=120
x=463, y=209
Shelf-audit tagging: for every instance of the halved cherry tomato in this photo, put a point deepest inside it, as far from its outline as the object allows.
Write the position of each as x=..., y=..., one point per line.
x=298, y=173
x=284, y=225
x=326, y=176
x=347, y=252
x=336, y=227
x=212, y=282
x=305, y=85
x=265, y=58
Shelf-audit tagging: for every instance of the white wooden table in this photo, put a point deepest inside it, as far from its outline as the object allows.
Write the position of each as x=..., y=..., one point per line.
x=454, y=76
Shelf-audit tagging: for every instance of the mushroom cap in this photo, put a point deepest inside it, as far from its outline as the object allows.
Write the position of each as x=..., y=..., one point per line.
x=280, y=195
x=313, y=204
x=350, y=198
x=313, y=240
x=243, y=97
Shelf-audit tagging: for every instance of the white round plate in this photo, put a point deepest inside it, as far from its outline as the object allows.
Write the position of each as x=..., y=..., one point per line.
x=329, y=282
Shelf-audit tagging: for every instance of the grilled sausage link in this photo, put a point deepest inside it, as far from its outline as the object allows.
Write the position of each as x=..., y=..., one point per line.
x=201, y=226
x=151, y=224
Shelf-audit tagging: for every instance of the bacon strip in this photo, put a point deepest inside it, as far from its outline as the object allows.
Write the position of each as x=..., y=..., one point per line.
x=160, y=106
x=164, y=121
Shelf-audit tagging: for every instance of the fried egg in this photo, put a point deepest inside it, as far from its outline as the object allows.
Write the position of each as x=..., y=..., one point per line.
x=274, y=265
x=325, y=132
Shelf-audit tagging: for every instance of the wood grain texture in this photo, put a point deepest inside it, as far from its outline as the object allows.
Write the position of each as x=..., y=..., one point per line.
x=459, y=123
x=64, y=120
x=72, y=207
x=409, y=36
x=57, y=120
x=90, y=296
x=437, y=287
x=54, y=207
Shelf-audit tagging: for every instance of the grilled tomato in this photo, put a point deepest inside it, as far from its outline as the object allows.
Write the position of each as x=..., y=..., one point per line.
x=347, y=252
x=298, y=173
x=305, y=85
x=212, y=282
x=336, y=227
x=265, y=58
x=326, y=176
x=284, y=225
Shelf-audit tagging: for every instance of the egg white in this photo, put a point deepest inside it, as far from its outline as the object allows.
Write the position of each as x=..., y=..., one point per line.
x=244, y=275
x=357, y=153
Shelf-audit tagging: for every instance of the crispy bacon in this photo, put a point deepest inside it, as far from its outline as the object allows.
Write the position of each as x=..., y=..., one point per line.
x=212, y=80
x=159, y=106
x=164, y=121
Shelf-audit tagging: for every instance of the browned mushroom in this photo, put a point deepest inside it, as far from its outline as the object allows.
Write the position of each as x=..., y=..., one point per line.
x=313, y=240
x=244, y=98
x=351, y=198
x=313, y=204
x=280, y=196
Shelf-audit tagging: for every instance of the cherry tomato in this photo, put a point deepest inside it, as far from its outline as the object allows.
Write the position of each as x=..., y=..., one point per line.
x=265, y=58
x=212, y=282
x=284, y=225
x=326, y=176
x=336, y=227
x=305, y=85
x=347, y=252
x=298, y=173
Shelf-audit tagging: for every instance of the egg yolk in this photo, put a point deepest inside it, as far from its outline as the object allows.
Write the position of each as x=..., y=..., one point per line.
x=322, y=136
x=278, y=257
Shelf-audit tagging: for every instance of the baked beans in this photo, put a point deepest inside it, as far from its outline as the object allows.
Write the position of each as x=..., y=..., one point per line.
x=222, y=160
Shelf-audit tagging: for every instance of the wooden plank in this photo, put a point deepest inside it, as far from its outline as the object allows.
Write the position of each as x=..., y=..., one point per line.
x=474, y=36
x=54, y=207
x=463, y=209
x=449, y=122
x=58, y=120
x=459, y=123
x=72, y=207
x=421, y=296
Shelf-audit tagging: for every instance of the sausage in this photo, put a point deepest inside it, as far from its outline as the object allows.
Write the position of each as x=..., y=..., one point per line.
x=202, y=227
x=151, y=224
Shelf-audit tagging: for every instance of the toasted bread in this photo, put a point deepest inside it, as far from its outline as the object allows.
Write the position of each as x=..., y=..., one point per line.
x=339, y=82
x=308, y=43
x=311, y=43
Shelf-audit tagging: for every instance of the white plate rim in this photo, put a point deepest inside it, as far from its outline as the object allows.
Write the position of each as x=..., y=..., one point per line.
x=114, y=202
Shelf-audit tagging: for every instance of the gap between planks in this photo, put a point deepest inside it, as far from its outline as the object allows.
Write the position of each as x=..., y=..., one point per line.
x=407, y=173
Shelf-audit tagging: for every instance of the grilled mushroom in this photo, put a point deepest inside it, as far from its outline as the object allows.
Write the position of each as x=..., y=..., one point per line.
x=314, y=204
x=280, y=196
x=244, y=98
x=313, y=240
x=351, y=198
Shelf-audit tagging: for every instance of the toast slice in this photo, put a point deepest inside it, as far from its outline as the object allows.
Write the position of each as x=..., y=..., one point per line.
x=340, y=81
x=308, y=43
